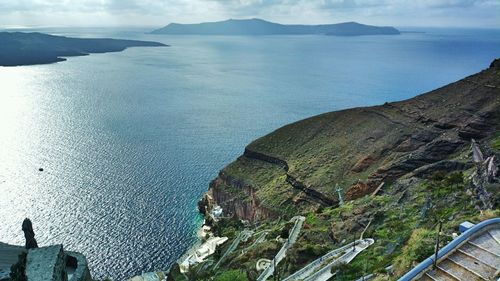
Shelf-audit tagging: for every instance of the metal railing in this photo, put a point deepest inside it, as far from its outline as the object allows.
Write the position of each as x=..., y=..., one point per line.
x=338, y=254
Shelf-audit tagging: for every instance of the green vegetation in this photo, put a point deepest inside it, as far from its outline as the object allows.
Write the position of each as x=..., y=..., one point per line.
x=273, y=189
x=418, y=247
x=227, y=228
x=311, y=219
x=495, y=142
x=404, y=230
x=402, y=221
x=232, y=275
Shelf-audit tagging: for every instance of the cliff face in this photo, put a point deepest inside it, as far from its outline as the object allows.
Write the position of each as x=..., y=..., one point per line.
x=297, y=166
x=244, y=205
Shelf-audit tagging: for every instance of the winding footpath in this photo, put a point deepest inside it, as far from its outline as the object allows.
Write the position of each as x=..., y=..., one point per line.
x=257, y=241
x=242, y=236
x=292, y=238
x=320, y=269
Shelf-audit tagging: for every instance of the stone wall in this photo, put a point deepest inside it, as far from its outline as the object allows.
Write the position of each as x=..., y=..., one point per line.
x=46, y=264
x=52, y=263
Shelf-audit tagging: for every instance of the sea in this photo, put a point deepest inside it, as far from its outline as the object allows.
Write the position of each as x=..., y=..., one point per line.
x=129, y=141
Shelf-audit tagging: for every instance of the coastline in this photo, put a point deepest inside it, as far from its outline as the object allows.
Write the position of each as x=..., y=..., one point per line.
x=201, y=233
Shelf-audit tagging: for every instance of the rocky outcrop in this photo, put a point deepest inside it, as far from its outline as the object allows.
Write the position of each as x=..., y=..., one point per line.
x=486, y=173
x=358, y=190
x=428, y=154
x=29, y=234
x=477, y=128
x=364, y=163
x=321, y=198
x=241, y=202
x=441, y=166
x=495, y=64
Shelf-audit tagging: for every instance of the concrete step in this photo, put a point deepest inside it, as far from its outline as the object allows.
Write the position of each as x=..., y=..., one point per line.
x=458, y=271
x=426, y=277
x=473, y=265
x=495, y=233
x=440, y=274
x=487, y=243
x=480, y=254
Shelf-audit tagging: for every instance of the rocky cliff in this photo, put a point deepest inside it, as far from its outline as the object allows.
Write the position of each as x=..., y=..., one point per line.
x=298, y=166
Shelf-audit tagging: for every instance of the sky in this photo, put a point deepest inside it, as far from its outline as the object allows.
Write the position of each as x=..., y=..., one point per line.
x=157, y=13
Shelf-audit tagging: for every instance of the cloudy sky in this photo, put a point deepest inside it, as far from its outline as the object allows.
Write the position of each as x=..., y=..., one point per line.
x=457, y=13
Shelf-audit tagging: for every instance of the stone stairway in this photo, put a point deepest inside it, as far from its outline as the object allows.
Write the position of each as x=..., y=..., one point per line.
x=476, y=259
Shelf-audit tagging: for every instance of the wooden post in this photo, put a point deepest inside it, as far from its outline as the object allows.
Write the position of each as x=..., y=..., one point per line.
x=437, y=245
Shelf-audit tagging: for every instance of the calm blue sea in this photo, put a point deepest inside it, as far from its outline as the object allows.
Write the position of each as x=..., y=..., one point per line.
x=129, y=141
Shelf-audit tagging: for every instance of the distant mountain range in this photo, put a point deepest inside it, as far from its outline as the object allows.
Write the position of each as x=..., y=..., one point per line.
x=18, y=48
x=262, y=27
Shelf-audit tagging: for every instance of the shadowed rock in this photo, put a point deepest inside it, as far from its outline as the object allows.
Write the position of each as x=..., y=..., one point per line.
x=29, y=234
x=477, y=155
x=486, y=172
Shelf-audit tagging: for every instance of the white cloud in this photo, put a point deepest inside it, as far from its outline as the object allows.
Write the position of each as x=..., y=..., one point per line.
x=462, y=13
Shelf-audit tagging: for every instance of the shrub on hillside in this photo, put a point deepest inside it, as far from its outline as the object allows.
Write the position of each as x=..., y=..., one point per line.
x=232, y=275
x=419, y=246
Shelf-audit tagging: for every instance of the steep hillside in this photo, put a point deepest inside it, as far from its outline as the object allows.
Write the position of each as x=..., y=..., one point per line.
x=402, y=169
x=299, y=165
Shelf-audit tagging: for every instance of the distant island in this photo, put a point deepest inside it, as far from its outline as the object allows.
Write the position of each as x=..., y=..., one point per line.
x=19, y=48
x=262, y=27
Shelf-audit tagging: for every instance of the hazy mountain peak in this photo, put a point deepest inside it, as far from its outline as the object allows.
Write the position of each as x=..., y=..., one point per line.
x=256, y=26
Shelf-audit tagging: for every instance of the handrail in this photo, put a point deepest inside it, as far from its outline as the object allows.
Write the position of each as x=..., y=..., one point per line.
x=448, y=248
x=317, y=262
x=345, y=258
